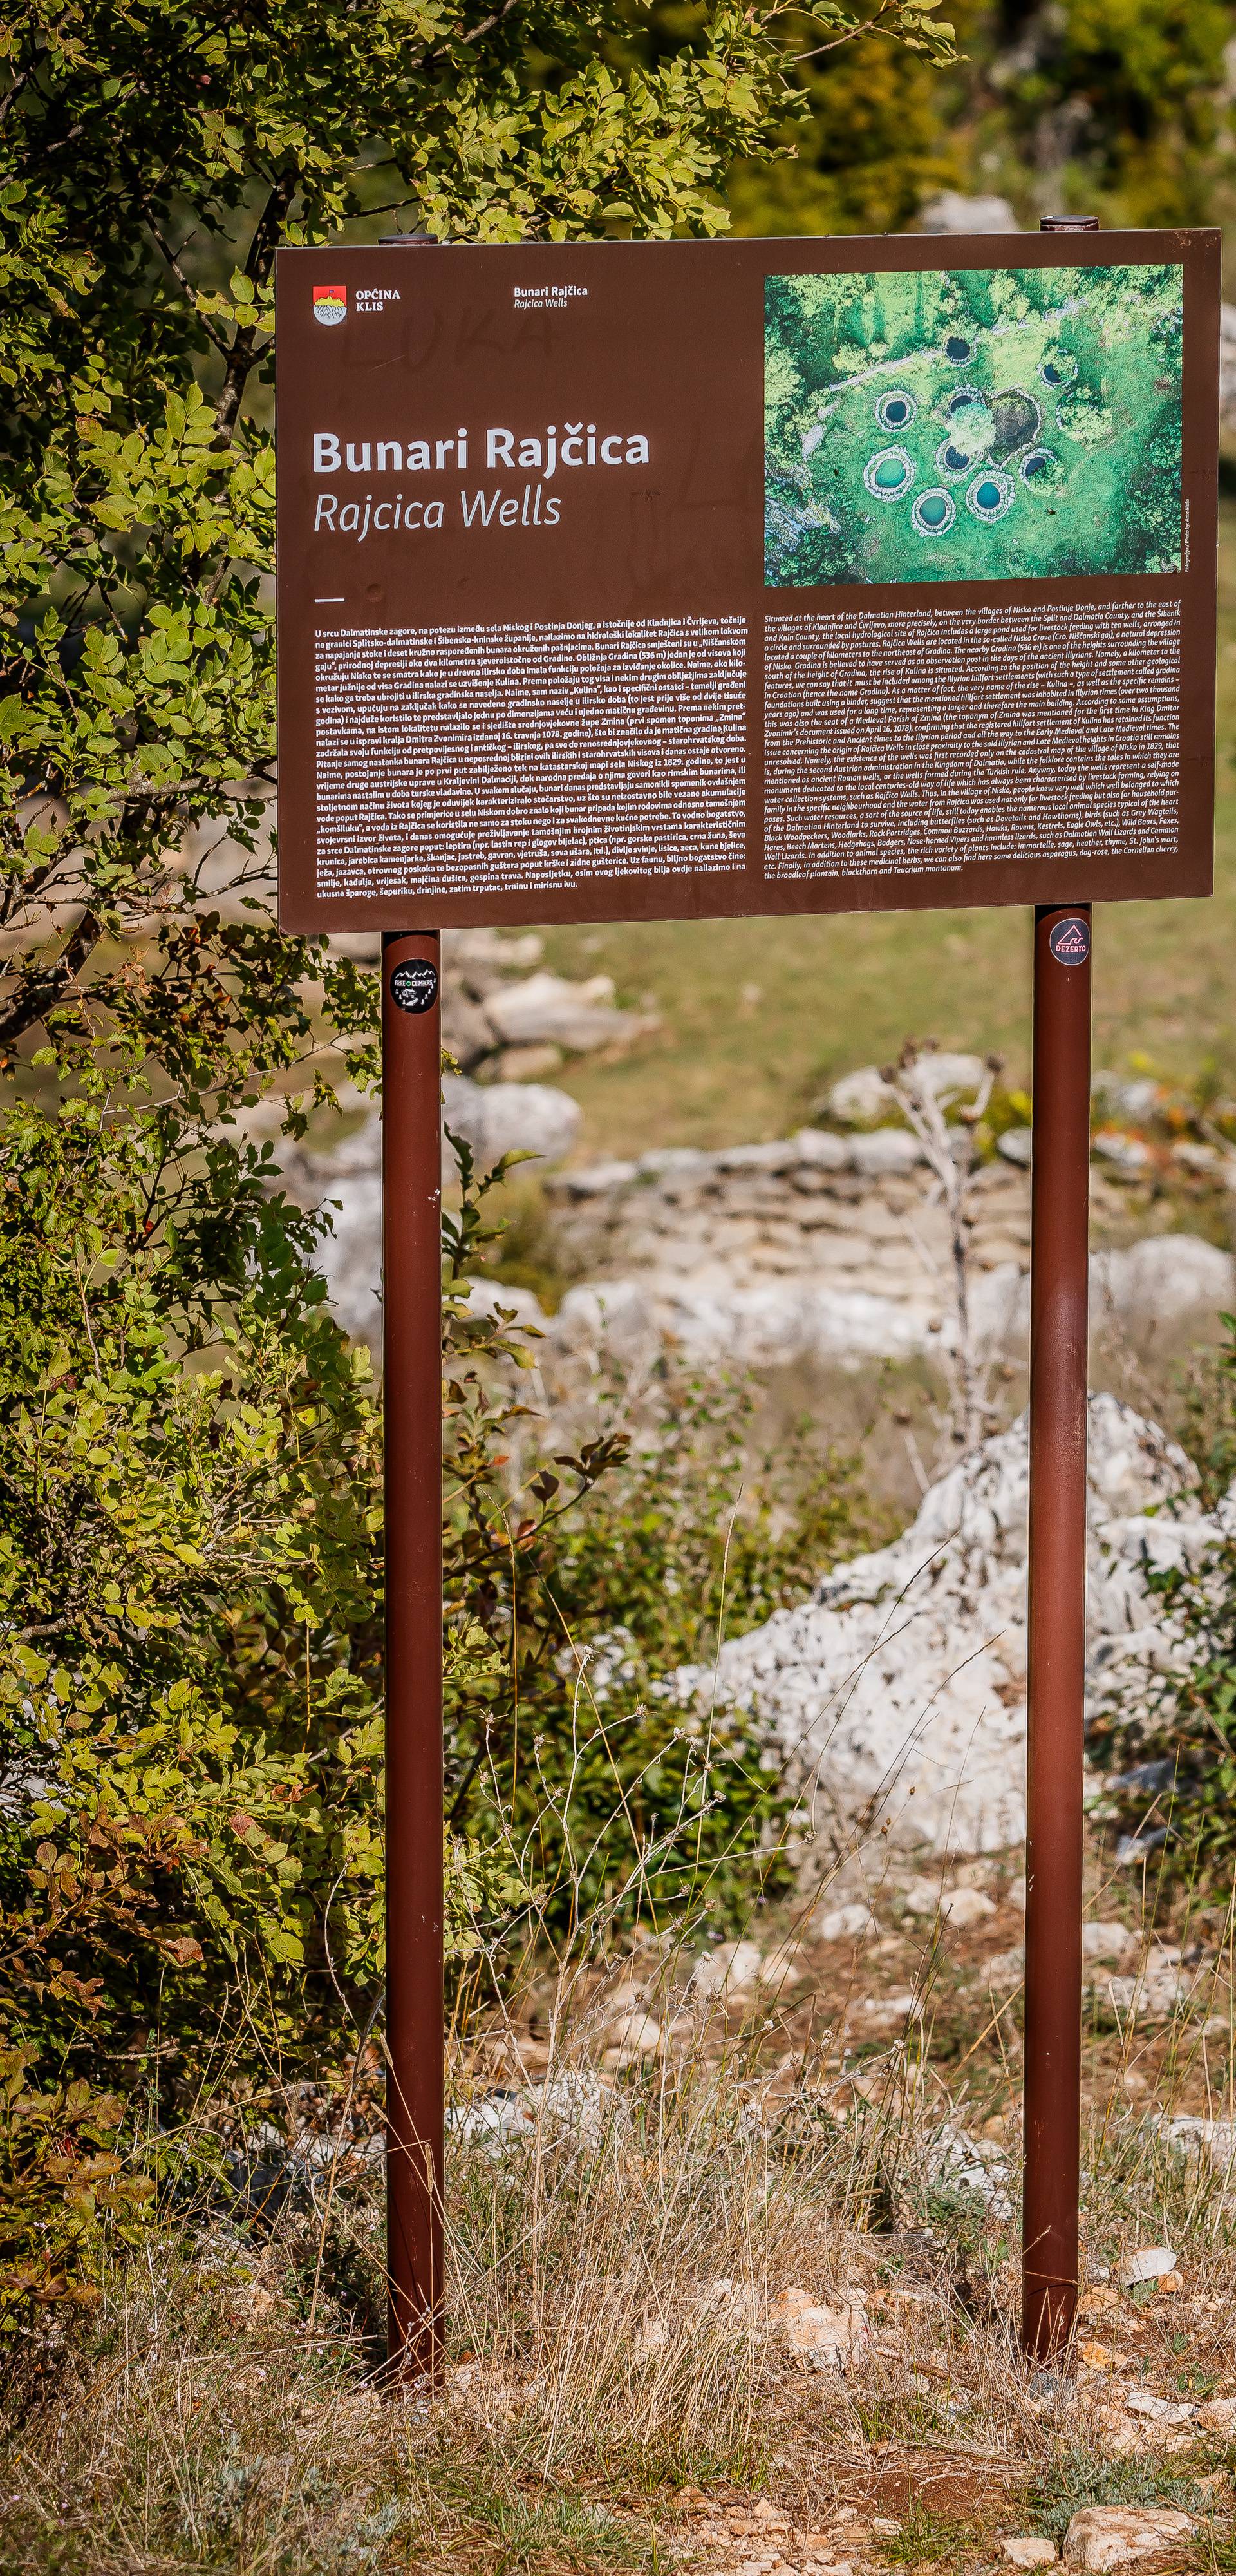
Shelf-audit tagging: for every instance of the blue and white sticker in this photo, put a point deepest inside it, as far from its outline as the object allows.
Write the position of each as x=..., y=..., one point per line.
x=1069, y=940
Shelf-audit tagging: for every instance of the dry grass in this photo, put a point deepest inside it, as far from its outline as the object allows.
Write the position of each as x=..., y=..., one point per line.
x=626, y=2214
x=620, y=2392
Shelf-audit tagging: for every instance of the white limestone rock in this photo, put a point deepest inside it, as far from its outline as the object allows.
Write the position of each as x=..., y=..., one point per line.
x=347, y=1186
x=865, y=1099
x=497, y=1118
x=898, y=1693
x=346, y=1183
x=618, y=1313
x=597, y=1180
x=1129, y=1154
x=817, y=1146
x=846, y=1923
x=819, y=2336
x=1150, y=2263
x=861, y=1099
x=1216, y=2141
x=547, y=1008
x=488, y=955
x=1219, y=2416
x=714, y=1317
x=1005, y=1969
x=731, y=1969
x=940, y=1074
x=950, y=212
x=1110, y=1943
x=963, y=1907
x=713, y=1321
x=1118, y=2535
x=1162, y=1280
x=885, y=1149
x=1016, y=1145
x=1122, y=1096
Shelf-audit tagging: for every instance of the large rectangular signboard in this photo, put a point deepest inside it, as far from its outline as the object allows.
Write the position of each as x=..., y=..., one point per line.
x=634, y=579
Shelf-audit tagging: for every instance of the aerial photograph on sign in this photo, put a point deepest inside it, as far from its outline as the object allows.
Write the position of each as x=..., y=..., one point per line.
x=972, y=425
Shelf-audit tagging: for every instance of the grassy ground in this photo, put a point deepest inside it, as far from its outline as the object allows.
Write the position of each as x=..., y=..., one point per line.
x=625, y=2247
x=759, y=1015
x=651, y=2172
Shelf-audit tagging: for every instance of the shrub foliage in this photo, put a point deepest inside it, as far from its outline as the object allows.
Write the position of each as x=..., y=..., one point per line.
x=190, y=1515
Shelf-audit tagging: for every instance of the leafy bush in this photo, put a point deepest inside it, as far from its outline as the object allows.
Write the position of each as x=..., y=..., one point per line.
x=1135, y=90
x=65, y=2192
x=187, y=1510
x=190, y=1701
x=190, y=1515
x=875, y=141
x=643, y=1558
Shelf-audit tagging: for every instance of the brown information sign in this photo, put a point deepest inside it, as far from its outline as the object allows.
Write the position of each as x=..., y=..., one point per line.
x=685, y=578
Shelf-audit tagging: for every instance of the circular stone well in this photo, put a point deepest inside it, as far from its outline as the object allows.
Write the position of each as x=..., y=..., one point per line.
x=958, y=351
x=1058, y=370
x=934, y=512
x=888, y=473
x=954, y=460
x=1038, y=466
x=971, y=424
x=896, y=409
x=990, y=494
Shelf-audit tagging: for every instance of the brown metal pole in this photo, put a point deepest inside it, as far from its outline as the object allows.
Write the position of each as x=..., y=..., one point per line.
x=1059, y=1320
x=1059, y=1256
x=412, y=1422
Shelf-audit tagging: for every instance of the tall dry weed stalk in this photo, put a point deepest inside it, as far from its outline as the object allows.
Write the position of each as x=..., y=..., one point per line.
x=950, y=1156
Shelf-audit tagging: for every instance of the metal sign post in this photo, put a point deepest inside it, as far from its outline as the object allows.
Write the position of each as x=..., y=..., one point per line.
x=1056, y=1627
x=412, y=1422
x=1057, y=1624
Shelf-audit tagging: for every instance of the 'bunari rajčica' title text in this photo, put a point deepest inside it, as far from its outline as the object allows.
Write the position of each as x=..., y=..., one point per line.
x=578, y=443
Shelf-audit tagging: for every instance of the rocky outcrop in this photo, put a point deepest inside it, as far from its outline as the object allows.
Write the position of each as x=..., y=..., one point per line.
x=898, y=1694
x=834, y=1248
x=497, y=1118
x=497, y=1014
x=866, y=1097
x=822, y=1248
x=816, y=1246
x=504, y=1013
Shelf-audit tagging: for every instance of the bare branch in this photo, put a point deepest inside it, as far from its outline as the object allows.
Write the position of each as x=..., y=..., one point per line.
x=42, y=989
x=950, y=1157
x=166, y=252
x=257, y=268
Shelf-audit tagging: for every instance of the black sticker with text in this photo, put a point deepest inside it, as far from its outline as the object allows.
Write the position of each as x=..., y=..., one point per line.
x=414, y=985
x=1069, y=941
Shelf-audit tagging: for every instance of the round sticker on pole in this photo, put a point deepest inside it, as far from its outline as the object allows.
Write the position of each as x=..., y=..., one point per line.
x=1069, y=941
x=414, y=985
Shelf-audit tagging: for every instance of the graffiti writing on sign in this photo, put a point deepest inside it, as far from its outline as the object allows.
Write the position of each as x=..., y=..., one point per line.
x=1069, y=941
x=414, y=985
